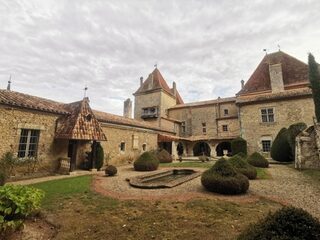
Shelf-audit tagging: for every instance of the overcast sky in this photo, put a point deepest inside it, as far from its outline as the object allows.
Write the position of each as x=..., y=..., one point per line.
x=54, y=48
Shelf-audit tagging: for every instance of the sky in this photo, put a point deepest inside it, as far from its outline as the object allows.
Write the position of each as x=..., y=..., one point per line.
x=54, y=48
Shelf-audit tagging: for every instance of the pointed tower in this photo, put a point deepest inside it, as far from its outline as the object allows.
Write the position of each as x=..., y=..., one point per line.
x=154, y=97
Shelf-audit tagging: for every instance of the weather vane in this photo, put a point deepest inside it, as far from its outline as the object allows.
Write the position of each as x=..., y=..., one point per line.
x=279, y=47
x=9, y=84
x=265, y=50
x=156, y=65
x=85, y=91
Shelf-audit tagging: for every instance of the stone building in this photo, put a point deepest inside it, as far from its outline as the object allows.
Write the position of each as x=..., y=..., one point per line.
x=276, y=95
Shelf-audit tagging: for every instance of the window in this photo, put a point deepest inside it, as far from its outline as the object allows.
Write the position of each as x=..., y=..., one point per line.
x=266, y=145
x=225, y=128
x=123, y=146
x=183, y=127
x=144, y=147
x=149, y=112
x=28, y=144
x=204, y=128
x=226, y=111
x=267, y=115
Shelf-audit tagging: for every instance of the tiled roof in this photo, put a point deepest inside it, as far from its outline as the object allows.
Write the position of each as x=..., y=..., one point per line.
x=205, y=103
x=156, y=81
x=294, y=93
x=27, y=101
x=294, y=72
x=81, y=124
x=115, y=119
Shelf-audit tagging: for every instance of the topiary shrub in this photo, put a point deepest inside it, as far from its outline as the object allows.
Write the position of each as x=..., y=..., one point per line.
x=238, y=145
x=204, y=158
x=163, y=156
x=16, y=203
x=257, y=160
x=111, y=170
x=99, y=156
x=146, y=162
x=242, y=166
x=223, y=178
x=286, y=223
x=280, y=149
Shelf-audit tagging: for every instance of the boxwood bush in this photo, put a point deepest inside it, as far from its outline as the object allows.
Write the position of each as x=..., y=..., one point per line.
x=257, y=160
x=239, y=145
x=223, y=178
x=146, y=162
x=286, y=223
x=110, y=170
x=163, y=156
x=242, y=166
x=16, y=203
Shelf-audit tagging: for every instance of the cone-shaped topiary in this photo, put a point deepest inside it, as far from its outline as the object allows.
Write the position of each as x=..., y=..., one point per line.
x=238, y=145
x=314, y=77
x=223, y=178
x=286, y=223
x=242, y=166
x=280, y=149
x=163, y=156
x=146, y=162
x=257, y=160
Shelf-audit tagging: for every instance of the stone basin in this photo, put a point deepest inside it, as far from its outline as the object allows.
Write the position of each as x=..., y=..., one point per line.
x=164, y=179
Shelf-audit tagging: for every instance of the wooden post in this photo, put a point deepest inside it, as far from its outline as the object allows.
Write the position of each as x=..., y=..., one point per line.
x=94, y=154
x=73, y=160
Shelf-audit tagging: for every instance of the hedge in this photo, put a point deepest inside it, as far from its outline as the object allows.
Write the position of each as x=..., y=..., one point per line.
x=239, y=145
x=146, y=162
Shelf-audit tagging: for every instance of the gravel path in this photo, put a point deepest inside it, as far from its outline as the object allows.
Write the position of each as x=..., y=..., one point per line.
x=289, y=186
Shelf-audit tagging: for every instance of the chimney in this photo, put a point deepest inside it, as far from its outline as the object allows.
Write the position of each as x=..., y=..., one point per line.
x=242, y=84
x=127, y=108
x=276, y=78
x=174, y=88
x=141, y=81
x=9, y=86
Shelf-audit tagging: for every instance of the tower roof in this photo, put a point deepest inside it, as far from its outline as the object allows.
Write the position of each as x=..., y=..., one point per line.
x=295, y=73
x=155, y=81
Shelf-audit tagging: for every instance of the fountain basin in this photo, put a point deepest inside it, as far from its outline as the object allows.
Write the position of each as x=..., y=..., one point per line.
x=164, y=179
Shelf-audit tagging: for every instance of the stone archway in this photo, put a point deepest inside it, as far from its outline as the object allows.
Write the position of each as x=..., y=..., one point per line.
x=223, y=146
x=180, y=149
x=201, y=148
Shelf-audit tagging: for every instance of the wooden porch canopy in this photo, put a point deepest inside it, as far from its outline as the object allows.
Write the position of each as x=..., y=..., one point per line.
x=80, y=124
x=169, y=138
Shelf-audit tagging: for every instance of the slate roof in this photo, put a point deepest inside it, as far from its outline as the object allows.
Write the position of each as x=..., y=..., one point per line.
x=205, y=103
x=295, y=73
x=80, y=124
x=155, y=81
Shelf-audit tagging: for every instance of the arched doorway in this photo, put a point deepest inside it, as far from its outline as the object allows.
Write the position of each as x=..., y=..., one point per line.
x=180, y=149
x=223, y=146
x=201, y=148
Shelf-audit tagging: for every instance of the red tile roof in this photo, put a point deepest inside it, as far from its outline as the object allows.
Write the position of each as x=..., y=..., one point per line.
x=295, y=73
x=155, y=81
x=80, y=124
x=27, y=101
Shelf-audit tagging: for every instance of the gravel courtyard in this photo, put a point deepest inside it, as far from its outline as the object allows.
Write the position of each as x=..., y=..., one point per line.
x=287, y=186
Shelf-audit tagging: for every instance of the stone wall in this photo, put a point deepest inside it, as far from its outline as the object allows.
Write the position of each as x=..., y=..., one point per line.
x=146, y=100
x=12, y=120
x=134, y=138
x=286, y=113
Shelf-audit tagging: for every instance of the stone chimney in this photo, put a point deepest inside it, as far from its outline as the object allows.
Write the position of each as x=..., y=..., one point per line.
x=127, y=108
x=242, y=84
x=174, y=88
x=9, y=86
x=141, y=81
x=276, y=78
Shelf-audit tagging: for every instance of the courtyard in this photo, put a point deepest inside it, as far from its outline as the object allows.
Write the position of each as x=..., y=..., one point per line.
x=98, y=207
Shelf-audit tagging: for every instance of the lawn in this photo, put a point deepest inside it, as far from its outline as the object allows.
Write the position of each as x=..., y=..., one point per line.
x=83, y=214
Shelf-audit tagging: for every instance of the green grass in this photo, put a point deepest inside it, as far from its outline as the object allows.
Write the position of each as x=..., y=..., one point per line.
x=188, y=164
x=262, y=173
x=57, y=190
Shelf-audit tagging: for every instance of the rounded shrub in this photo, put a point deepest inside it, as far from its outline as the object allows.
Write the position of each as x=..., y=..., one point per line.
x=239, y=145
x=146, y=162
x=280, y=149
x=286, y=223
x=223, y=178
x=163, y=156
x=111, y=170
x=257, y=160
x=242, y=166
